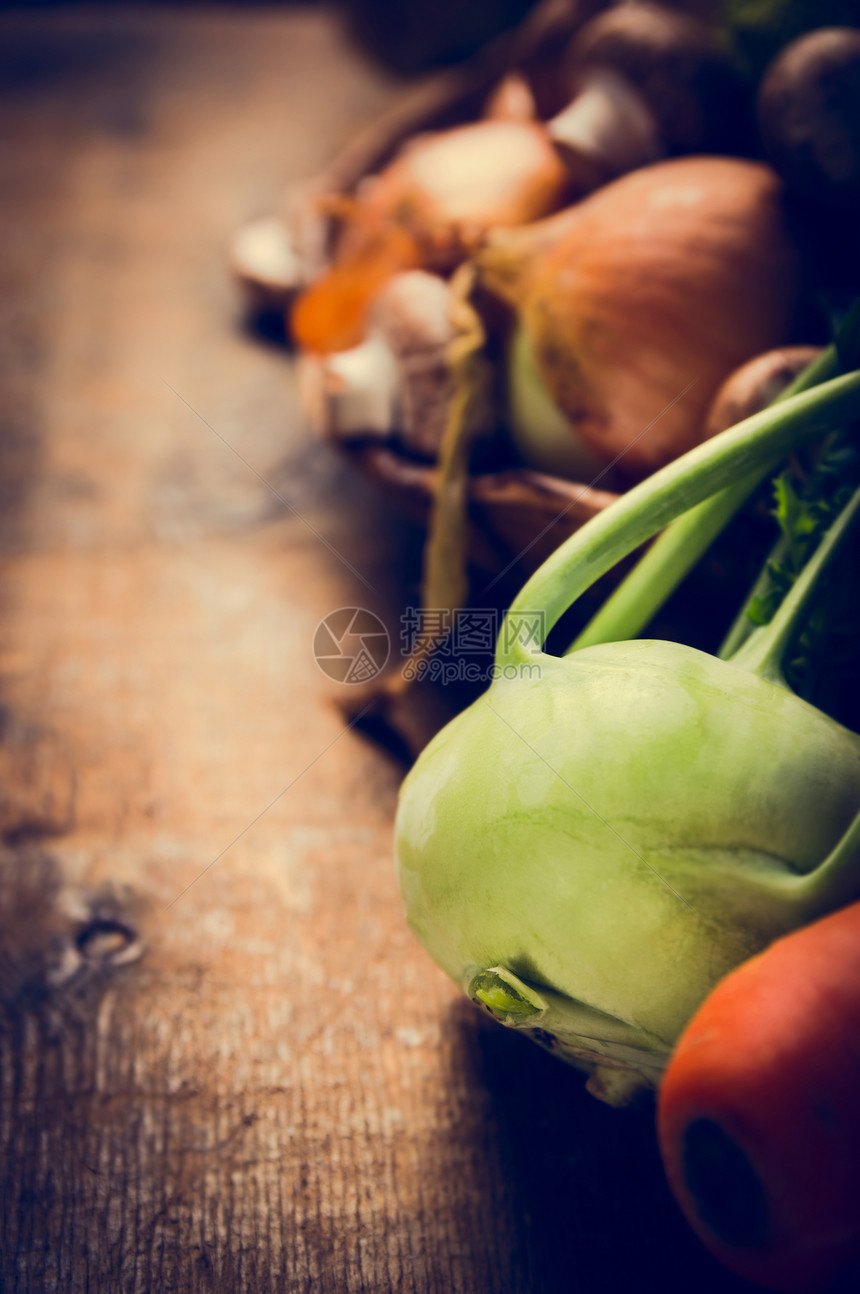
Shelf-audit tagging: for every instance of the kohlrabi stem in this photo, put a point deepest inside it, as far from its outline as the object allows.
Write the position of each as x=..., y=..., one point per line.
x=836, y=881
x=743, y=626
x=754, y=445
x=657, y=574
x=660, y=570
x=764, y=651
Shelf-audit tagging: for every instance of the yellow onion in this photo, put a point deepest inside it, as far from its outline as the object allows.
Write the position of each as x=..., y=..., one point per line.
x=448, y=189
x=511, y=100
x=431, y=207
x=635, y=305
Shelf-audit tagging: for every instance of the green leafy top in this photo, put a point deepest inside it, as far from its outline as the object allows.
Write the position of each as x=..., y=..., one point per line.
x=804, y=508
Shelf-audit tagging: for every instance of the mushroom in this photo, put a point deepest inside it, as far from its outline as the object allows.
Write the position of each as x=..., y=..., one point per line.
x=412, y=316
x=274, y=257
x=265, y=261
x=756, y=384
x=647, y=82
x=398, y=380
x=809, y=115
x=350, y=394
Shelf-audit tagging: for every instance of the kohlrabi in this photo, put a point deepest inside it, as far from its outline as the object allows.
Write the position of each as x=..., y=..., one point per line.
x=599, y=838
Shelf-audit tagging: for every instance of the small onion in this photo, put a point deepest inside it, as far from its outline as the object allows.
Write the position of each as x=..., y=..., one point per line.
x=431, y=207
x=511, y=100
x=449, y=189
x=639, y=302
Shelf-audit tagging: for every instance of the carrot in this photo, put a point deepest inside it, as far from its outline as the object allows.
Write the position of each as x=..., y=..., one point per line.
x=331, y=313
x=759, y=1110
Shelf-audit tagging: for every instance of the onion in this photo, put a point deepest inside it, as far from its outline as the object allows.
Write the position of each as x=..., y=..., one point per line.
x=431, y=207
x=637, y=303
x=511, y=100
x=450, y=188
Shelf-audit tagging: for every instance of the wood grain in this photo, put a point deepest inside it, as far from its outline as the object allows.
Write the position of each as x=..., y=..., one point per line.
x=226, y=1065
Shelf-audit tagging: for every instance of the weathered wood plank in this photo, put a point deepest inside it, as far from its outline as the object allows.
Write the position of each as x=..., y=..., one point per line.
x=226, y=1066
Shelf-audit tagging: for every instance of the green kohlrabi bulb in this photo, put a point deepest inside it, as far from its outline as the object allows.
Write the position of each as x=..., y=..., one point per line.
x=602, y=836
x=618, y=830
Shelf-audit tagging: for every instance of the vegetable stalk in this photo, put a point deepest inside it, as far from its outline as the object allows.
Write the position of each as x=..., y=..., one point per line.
x=673, y=555
x=744, y=453
x=600, y=838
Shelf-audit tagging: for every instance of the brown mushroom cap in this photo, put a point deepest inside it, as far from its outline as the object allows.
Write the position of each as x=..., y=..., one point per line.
x=756, y=384
x=672, y=61
x=809, y=115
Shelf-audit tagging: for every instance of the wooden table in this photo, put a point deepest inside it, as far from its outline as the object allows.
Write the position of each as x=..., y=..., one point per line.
x=226, y=1065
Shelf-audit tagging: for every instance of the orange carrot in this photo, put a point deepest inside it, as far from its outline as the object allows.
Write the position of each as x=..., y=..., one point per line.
x=331, y=314
x=759, y=1111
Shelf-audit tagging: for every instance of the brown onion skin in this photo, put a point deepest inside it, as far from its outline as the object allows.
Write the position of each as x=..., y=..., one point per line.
x=672, y=275
x=449, y=189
